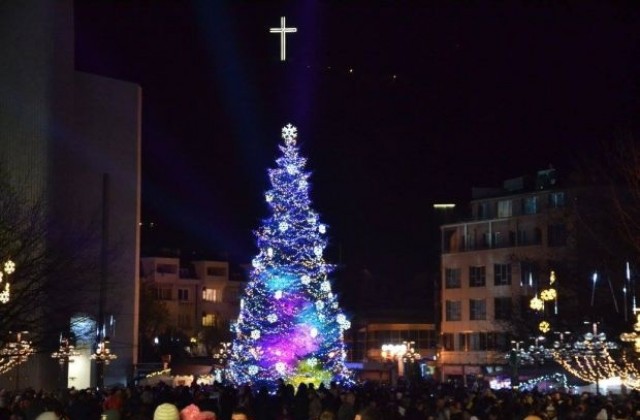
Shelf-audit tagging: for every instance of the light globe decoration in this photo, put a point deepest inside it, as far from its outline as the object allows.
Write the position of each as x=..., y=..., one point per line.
x=538, y=304
x=15, y=352
x=66, y=351
x=103, y=353
x=290, y=325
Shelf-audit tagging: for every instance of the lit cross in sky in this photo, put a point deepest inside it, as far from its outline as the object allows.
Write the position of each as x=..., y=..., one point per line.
x=283, y=30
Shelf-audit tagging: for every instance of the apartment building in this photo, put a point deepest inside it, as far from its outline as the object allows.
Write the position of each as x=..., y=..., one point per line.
x=492, y=264
x=201, y=295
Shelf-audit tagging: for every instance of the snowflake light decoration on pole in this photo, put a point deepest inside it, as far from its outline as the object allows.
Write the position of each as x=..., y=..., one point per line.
x=6, y=270
x=290, y=325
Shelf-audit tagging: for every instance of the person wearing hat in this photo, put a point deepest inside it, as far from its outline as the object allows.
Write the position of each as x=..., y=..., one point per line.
x=166, y=411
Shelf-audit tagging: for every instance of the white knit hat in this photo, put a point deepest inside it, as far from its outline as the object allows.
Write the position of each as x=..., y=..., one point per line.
x=166, y=411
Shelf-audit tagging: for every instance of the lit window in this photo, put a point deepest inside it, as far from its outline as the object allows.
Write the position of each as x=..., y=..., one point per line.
x=208, y=320
x=209, y=295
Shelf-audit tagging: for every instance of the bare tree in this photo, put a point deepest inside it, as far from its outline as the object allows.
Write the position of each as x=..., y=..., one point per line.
x=56, y=273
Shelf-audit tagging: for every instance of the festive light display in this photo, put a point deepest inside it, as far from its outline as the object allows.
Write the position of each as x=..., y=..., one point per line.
x=15, y=352
x=103, y=353
x=290, y=325
x=66, y=352
x=7, y=269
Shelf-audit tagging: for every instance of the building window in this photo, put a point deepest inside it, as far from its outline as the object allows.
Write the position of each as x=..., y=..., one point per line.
x=557, y=235
x=447, y=341
x=502, y=308
x=453, y=310
x=163, y=293
x=522, y=237
x=530, y=205
x=184, y=321
x=451, y=278
x=167, y=268
x=216, y=271
x=208, y=320
x=501, y=274
x=504, y=208
x=463, y=342
x=528, y=274
x=477, y=277
x=183, y=294
x=477, y=309
x=556, y=200
x=483, y=211
x=209, y=295
x=477, y=342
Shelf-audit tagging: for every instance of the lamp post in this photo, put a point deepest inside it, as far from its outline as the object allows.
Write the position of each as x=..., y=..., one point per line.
x=411, y=357
x=18, y=352
x=515, y=357
x=222, y=356
x=593, y=346
x=65, y=354
x=103, y=356
x=401, y=354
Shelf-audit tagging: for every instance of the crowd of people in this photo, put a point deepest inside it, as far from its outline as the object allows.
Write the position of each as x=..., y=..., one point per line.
x=427, y=400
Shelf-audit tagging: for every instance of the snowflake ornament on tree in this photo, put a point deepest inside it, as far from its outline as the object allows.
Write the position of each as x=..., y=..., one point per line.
x=289, y=134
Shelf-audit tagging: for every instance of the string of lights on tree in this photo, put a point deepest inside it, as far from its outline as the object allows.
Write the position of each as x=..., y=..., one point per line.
x=290, y=325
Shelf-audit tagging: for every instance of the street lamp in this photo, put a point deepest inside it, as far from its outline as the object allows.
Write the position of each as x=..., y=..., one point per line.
x=401, y=353
x=593, y=347
x=222, y=356
x=516, y=355
x=103, y=352
x=17, y=352
x=65, y=354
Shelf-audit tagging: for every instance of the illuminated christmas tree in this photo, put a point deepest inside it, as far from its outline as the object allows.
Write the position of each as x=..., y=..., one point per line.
x=290, y=325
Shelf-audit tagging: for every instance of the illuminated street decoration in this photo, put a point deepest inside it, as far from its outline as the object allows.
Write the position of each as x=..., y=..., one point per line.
x=283, y=31
x=8, y=268
x=15, y=352
x=290, y=325
x=544, y=327
x=536, y=303
x=590, y=358
x=66, y=352
x=633, y=337
x=103, y=353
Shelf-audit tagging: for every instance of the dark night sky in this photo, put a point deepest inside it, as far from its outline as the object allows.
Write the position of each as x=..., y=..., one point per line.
x=484, y=91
